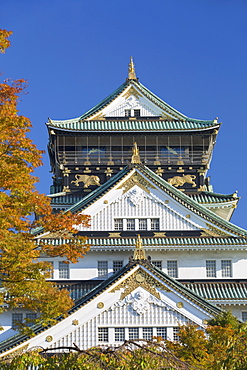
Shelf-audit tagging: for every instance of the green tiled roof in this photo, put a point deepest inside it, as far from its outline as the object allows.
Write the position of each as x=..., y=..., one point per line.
x=219, y=290
x=18, y=339
x=178, y=123
x=153, y=243
x=133, y=125
x=206, y=197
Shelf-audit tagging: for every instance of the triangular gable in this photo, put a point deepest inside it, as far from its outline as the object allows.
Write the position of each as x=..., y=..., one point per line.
x=139, y=295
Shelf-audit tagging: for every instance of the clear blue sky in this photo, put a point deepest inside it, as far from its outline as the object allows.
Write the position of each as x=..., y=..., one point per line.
x=191, y=53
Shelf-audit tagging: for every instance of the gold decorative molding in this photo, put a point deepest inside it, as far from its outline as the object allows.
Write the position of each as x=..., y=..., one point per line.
x=132, y=91
x=87, y=180
x=180, y=305
x=141, y=279
x=49, y=338
x=213, y=231
x=181, y=180
x=114, y=235
x=16, y=352
x=108, y=171
x=99, y=117
x=75, y=322
x=136, y=179
x=100, y=305
x=159, y=171
x=159, y=235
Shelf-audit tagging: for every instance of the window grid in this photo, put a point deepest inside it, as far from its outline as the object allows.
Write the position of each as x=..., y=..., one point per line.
x=175, y=334
x=147, y=333
x=172, y=269
x=119, y=334
x=244, y=316
x=51, y=270
x=157, y=264
x=130, y=224
x=127, y=112
x=117, y=265
x=211, y=268
x=226, y=268
x=137, y=112
x=133, y=333
x=118, y=224
x=31, y=316
x=63, y=270
x=103, y=334
x=17, y=318
x=102, y=269
x=162, y=332
x=154, y=224
x=143, y=225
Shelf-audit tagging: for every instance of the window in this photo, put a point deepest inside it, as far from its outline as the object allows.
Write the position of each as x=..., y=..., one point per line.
x=117, y=265
x=210, y=268
x=155, y=224
x=244, y=316
x=130, y=224
x=118, y=224
x=102, y=269
x=31, y=316
x=17, y=318
x=172, y=269
x=119, y=334
x=147, y=333
x=127, y=112
x=175, y=333
x=63, y=270
x=157, y=264
x=137, y=112
x=226, y=268
x=162, y=332
x=143, y=224
x=103, y=334
x=133, y=333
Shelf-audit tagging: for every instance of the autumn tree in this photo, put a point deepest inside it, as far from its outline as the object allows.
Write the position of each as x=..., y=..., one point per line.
x=23, y=276
x=222, y=346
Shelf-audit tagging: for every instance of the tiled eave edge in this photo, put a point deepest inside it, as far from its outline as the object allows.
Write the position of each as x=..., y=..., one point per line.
x=158, y=244
x=228, y=302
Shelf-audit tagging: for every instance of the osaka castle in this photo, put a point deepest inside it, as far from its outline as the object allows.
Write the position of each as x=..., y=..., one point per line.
x=163, y=251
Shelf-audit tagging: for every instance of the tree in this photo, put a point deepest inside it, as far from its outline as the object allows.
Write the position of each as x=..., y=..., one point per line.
x=23, y=276
x=222, y=346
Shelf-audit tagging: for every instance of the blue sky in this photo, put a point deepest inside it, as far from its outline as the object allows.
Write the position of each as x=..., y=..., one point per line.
x=191, y=53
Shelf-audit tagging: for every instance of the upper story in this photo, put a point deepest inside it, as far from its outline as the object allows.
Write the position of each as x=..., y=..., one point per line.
x=99, y=142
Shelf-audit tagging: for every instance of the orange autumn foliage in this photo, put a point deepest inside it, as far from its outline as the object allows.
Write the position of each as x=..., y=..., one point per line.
x=22, y=274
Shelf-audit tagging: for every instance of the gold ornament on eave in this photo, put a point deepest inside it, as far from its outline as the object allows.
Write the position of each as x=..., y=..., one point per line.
x=135, y=154
x=131, y=70
x=139, y=252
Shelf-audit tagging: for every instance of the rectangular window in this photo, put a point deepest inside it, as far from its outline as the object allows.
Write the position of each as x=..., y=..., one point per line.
x=175, y=334
x=31, y=316
x=63, y=270
x=130, y=224
x=143, y=224
x=119, y=334
x=162, y=332
x=210, y=268
x=103, y=269
x=157, y=264
x=137, y=112
x=155, y=224
x=117, y=265
x=172, y=269
x=147, y=333
x=133, y=333
x=127, y=112
x=118, y=224
x=17, y=318
x=244, y=316
x=103, y=334
x=226, y=268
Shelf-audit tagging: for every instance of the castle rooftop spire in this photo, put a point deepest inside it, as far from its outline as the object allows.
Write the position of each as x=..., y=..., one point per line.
x=131, y=70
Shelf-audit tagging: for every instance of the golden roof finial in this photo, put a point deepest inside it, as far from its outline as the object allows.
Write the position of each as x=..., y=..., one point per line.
x=139, y=252
x=131, y=70
x=135, y=154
